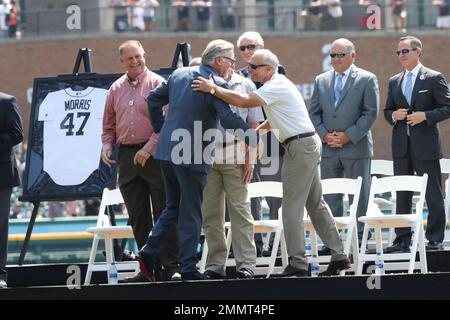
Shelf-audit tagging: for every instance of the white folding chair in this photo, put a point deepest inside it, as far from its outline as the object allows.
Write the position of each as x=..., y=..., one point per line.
x=264, y=265
x=445, y=169
x=104, y=230
x=346, y=223
x=385, y=168
x=375, y=219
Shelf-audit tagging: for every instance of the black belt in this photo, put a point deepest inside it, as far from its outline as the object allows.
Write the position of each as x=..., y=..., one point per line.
x=234, y=142
x=299, y=136
x=134, y=146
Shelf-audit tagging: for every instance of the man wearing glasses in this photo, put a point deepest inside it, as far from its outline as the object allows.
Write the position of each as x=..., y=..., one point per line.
x=418, y=99
x=287, y=114
x=247, y=43
x=343, y=109
x=184, y=161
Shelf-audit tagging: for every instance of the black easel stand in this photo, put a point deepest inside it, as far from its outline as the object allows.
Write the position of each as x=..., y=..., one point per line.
x=84, y=54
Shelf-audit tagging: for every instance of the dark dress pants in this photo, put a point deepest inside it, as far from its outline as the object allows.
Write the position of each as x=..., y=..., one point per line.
x=436, y=214
x=184, y=193
x=143, y=191
x=5, y=198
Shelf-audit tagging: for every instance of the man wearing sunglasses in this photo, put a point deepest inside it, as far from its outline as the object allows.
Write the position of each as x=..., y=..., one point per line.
x=418, y=99
x=287, y=115
x=343, y=108
x=185, y=167
x=248, y=43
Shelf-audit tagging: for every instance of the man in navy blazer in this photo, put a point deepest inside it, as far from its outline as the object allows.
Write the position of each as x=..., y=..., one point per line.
x=183, y=147
x=418, y=98
x=11, y=134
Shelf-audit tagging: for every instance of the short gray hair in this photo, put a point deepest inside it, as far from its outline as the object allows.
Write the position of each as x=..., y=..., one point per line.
x=128, y=44
x=350, y=46
x=268, y=58
x=215, y=48
x=251, y=35
x=414, y=41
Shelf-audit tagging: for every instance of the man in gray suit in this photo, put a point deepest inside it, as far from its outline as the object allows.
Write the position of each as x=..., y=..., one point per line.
x=343, y=109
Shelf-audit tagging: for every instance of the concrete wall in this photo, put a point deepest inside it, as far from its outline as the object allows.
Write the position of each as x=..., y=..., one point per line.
x=303, y=57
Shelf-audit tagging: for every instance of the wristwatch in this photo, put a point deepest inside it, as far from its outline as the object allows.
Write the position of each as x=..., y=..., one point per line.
x=213, y=90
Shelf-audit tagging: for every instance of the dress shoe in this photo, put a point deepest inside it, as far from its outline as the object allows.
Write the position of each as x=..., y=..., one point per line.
x=434, y=246
x=268, y=253
x=175, y=277
x=125, y=256
x=291, y=271
x=325, y=251
x=140, y=277
x=3, y=284
x=213, y=275
x=245, y=273
x=398, y=246
x=335, y=267
x=146, y=274
x=195, y=275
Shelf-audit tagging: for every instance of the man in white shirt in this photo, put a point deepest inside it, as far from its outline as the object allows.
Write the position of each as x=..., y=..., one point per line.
x=287, y=115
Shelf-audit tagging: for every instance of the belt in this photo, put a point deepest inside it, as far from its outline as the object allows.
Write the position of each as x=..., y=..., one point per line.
x=134, y=146
x=299, y=136
x=229, y=143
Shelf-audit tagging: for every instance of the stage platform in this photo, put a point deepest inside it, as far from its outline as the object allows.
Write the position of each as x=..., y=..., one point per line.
x=30, y=282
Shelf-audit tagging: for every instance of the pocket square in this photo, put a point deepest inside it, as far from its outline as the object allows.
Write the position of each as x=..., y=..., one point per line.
x=422, y=91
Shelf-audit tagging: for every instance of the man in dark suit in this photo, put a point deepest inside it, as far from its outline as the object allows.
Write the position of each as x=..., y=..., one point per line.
x=11, y=134
x=183, y=150
x=418, y=98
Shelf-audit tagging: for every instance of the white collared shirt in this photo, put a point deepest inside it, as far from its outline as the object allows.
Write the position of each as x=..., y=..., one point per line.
x=344, y=78
x=414, y=72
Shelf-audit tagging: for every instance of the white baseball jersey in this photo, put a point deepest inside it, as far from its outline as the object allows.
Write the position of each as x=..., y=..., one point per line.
x=72, y=133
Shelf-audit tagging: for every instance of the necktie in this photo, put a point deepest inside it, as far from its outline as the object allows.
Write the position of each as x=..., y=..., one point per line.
x=338, y=88
x=408, y=88
x=408, y=93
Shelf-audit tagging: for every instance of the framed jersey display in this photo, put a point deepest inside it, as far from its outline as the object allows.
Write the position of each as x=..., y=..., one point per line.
x=64, y=140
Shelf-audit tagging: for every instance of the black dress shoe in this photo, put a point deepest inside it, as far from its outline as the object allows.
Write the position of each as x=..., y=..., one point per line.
x=195, y=275
x=325, y=251
x=122, y=256
x=398, y=246
x=434, y=246
x=291, y=271
x=245, y=273
x=140, y=277
x=335, y=267
x=213, y=275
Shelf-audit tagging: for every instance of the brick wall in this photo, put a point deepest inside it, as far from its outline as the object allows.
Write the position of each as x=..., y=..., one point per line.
x=302, y=56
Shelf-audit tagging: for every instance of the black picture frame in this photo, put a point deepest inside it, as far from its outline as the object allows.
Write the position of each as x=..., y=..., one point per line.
x=37, y=184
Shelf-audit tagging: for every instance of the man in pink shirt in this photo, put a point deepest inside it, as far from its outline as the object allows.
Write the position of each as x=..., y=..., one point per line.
x=127, y=126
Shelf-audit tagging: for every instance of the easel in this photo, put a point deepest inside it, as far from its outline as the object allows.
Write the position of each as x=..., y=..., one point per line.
x=182, y=48
x=84, y=54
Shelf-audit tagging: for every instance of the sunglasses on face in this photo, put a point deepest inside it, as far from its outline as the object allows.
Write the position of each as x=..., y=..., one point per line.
x=256, y=66
x=228, y=58
x=249, y=47
x=338, y=54
x=405, y=51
